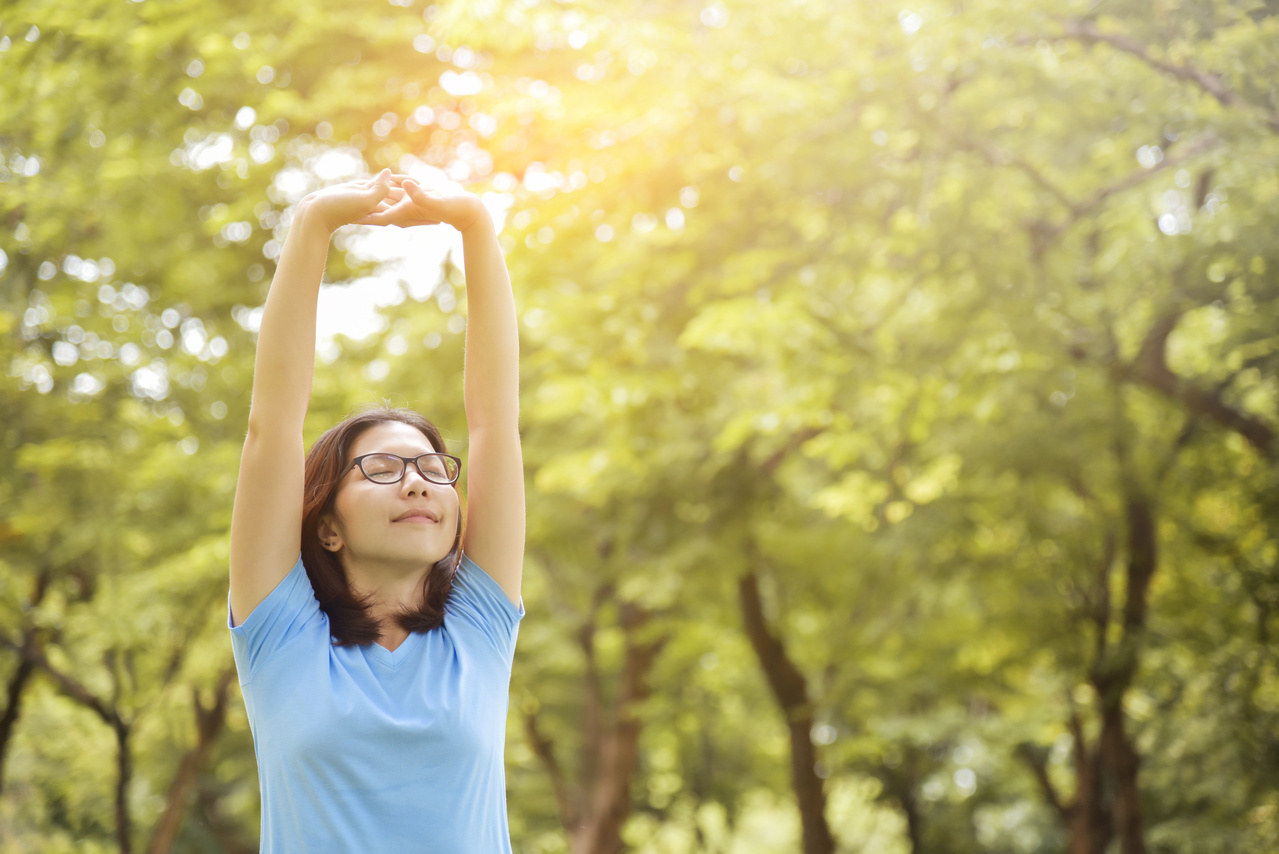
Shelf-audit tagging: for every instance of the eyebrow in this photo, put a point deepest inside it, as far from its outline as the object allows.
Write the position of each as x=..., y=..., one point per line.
x=397, y=453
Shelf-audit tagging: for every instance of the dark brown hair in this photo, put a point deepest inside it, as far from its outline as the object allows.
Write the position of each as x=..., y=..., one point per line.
x=350, y=622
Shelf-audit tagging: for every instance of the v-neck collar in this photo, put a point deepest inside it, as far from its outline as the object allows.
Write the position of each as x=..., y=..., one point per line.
x=392, y=658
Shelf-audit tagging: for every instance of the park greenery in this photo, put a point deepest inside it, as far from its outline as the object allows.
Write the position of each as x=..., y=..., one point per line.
x=900, y=387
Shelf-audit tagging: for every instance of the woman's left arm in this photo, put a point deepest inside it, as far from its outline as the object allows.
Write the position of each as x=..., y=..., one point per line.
x=494, y=536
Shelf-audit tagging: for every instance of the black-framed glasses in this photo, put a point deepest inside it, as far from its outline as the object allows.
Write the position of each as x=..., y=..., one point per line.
x=390, y=468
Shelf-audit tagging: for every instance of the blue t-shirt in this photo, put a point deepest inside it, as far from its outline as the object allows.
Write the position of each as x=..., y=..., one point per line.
x=362, y=749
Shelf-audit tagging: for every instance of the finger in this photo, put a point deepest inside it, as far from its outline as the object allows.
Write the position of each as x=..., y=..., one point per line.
x=380, y=189
x=416, y=192
x=403, y=209
x=400, y=213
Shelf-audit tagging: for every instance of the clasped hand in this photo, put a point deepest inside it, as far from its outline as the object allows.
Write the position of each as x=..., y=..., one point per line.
x=390, y=199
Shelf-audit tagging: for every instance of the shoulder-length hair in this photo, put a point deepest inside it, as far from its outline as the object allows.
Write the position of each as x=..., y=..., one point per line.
x=350, y=620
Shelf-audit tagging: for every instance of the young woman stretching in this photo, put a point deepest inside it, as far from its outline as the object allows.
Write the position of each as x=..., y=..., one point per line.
x=373, y=632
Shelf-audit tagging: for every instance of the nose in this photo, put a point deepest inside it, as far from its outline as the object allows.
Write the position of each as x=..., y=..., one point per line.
x=413, y=483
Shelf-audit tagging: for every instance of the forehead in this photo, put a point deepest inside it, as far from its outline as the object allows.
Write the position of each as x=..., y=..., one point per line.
x=392, y=437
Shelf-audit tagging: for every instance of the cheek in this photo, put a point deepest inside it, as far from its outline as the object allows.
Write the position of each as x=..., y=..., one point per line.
x=455, y=504
x=346, y=509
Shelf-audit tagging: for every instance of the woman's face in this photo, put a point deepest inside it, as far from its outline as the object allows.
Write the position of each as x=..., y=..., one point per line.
x=405, y=525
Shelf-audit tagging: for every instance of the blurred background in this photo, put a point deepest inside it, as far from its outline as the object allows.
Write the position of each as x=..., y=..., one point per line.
x=900, y=389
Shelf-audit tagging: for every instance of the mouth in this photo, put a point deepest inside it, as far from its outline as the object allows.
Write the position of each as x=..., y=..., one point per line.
x=419, y=516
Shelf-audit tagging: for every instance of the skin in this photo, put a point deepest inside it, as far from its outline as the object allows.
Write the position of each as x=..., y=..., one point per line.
x=267, y=517
x=386, y=557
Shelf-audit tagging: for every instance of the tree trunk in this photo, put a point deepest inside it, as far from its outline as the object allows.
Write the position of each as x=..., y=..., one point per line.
x=226, y=833
x=900, y=785
x=791, y=693
x=21, y=675
x=1108, y=798
x=208, y=726
x=914, y=822
x=13, y=707
x=1089, y=823
x=608, y=800
x=124, y=773
x=566, y=801
x=1119, y=753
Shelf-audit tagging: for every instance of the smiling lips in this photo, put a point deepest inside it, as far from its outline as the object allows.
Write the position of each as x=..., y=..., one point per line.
x=417, y=516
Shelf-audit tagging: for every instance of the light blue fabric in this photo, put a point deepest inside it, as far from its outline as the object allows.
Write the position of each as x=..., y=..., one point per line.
x=361, y=749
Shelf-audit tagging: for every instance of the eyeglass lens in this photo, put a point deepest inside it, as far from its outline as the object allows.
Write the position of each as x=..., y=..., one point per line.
x=388, y=468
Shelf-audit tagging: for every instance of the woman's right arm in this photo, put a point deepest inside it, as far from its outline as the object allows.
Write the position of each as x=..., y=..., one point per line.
x=266, y=522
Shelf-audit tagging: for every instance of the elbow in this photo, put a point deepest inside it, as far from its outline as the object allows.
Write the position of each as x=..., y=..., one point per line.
x=258, y=427
x=271, y=432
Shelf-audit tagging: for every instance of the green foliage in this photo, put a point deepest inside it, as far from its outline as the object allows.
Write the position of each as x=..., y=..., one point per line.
x=864, y=300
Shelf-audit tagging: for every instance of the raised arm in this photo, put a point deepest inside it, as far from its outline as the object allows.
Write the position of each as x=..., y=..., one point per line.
x=266, y=523
x=495, y=479
x=494, y=536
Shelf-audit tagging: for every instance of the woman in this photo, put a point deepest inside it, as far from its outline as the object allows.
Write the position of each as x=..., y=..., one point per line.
x=373, y=632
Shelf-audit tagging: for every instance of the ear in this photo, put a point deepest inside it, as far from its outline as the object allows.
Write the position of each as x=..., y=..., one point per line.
x=330, y=537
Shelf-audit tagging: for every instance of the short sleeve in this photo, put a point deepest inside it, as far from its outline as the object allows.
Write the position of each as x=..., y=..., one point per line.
x=287, y=611
x=478, y=604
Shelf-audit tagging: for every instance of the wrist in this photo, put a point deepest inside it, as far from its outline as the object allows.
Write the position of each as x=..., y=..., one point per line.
x=478, y=218
x=307, y=216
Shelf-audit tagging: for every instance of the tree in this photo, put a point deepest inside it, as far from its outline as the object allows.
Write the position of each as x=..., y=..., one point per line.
x=899, y=403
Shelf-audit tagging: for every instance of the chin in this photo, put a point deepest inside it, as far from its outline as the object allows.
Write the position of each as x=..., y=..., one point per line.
x=430, y=558
x=406, y=562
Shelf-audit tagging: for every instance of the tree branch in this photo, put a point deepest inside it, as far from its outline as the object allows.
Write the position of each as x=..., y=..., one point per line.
x=1101, y=615
x=1036, y=758
x=1150, y=368
x=21, y=675
x=544, y=749
x=1088, y=33
x=997, y=156
x=120, y=728
x=1077, y=209
x=1192, y=149
x=208, y=726
x=66, y=683
x=794, y=443
x=13, y=706
x=790, y=690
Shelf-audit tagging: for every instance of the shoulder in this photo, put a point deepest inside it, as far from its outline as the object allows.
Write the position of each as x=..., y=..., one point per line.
x=289, y=611
x=478, y=604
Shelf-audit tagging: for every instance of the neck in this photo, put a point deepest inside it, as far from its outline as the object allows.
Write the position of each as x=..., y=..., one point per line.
x=389, y=590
